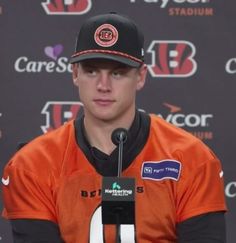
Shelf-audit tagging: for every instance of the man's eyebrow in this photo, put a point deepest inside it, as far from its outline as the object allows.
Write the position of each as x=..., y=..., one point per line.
x=122, y=66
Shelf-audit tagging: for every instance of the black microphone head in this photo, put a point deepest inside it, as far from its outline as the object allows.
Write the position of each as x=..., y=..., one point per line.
x=119, y=135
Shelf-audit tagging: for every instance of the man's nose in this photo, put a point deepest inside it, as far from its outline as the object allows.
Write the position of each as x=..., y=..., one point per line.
x=104, y=82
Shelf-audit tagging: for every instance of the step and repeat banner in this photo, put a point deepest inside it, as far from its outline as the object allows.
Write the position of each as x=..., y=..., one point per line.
x=190, y=51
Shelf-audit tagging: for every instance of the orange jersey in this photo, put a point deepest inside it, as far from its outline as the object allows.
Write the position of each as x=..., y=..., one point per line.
x=177, y=177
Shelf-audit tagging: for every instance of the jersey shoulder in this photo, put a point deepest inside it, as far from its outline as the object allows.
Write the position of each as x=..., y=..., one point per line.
x=169, y=130
x=178, y=140
x=46, y=152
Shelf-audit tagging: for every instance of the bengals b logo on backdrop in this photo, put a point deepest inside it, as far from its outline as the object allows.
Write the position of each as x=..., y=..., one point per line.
x=59, y=112
x=63, y=7
x=172, y=58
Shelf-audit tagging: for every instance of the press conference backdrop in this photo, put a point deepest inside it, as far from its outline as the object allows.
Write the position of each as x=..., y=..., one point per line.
x=190, y=50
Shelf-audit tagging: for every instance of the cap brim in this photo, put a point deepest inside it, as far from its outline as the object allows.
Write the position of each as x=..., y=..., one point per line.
x=117, y=58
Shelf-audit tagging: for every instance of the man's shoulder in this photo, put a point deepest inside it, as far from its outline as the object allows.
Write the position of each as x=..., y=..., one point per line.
x=161, y=126
x=57, y=137
x=178, y=141
x=46, y=150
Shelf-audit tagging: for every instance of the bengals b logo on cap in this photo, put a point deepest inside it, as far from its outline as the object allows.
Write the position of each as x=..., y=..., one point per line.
x=106, y=35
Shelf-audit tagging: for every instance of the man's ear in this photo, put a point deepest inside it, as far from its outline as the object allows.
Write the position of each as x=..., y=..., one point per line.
x=142, y=73
x=75, y=73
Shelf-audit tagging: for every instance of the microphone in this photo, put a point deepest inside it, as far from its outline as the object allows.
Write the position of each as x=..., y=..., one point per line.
x=119, y=137
x=118, y=193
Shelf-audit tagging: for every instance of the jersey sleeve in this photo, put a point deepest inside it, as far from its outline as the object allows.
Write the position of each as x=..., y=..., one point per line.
x=201, y=188
x=26, y=194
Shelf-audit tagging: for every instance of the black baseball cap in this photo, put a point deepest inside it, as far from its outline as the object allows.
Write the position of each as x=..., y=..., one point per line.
x=110, y=36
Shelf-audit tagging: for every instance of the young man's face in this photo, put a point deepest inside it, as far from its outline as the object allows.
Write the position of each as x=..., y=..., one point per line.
x=108, y=88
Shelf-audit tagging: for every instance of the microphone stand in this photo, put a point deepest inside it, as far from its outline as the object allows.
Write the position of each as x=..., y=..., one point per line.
x=118, y=202
x=112, y=211
x=120, y=154
x=120, y=139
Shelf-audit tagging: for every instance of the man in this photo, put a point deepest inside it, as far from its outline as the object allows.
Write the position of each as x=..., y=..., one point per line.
x=52, y=186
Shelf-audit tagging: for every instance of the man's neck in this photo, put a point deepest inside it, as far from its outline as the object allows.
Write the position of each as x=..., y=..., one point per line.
x=99, y=132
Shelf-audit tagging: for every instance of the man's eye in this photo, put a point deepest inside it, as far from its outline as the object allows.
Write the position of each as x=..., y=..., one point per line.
x=117, y=74
x=91, y=72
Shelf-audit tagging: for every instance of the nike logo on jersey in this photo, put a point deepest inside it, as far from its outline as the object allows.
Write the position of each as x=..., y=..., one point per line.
x=6, y=181
x=221, y=174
